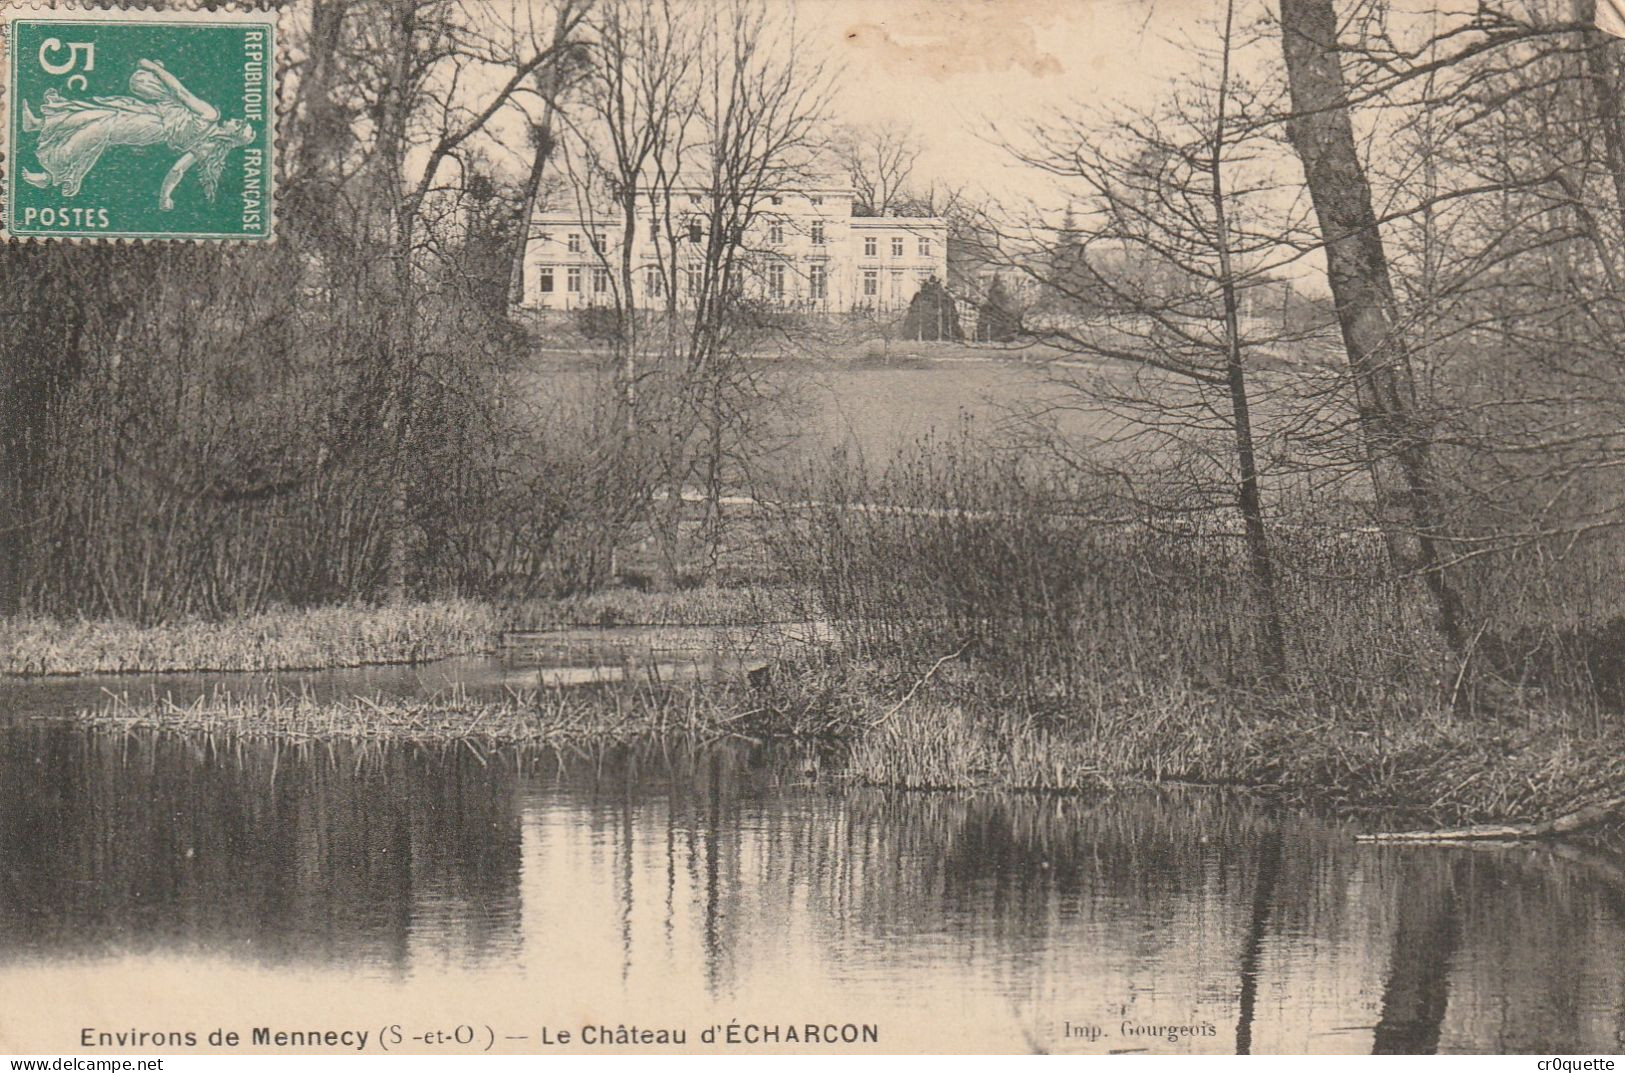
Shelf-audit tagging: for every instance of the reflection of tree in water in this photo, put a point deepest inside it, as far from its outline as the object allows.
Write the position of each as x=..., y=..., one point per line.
x=277, y=854
x=705, y=862
x=943, y=877
x=1018, y=873
x=1538, y=965
x=1269, y=868
x=1507, y=950
x=699, y=799
x=465, y=845
x=1426, y=936
x=1021, y=857
x=1068, y=891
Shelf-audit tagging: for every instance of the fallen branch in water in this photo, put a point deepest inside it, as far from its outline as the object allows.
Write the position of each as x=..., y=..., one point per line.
x=1568, y=823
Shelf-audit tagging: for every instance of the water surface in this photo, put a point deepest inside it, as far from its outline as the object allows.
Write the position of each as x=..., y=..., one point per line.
x=666, y=885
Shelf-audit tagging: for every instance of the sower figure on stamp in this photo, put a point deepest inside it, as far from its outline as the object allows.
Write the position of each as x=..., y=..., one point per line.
x=75, y=134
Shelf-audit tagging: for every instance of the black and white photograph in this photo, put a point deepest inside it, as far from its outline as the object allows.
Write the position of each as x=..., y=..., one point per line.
x=834, y=527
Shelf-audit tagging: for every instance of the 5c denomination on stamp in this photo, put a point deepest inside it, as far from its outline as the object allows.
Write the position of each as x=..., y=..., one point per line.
x=137, y=124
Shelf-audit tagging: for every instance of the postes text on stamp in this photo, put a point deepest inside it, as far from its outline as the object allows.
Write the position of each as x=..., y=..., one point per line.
x=138, y=124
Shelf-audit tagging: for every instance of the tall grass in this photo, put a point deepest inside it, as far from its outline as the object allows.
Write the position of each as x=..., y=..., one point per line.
x=1070, y=641
x=1070, y=596
x=633, y=708
x=312, y=638
x=1432, y=764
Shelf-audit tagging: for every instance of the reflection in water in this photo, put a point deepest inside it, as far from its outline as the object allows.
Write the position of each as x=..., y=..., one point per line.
x=1269, y=867
x=1417, y=991
x=124, y=843
x=665, y=871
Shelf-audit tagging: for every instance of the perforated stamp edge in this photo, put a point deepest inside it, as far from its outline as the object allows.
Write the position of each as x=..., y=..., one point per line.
x=281, y=15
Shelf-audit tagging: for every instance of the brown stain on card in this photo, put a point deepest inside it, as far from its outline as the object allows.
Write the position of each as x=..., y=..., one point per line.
x=946, y=38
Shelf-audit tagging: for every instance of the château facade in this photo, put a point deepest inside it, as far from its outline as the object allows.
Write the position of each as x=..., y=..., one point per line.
x=805, y=251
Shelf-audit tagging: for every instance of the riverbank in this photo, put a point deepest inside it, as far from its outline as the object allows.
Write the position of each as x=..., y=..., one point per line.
x=529, y=718
x=1433, y=765
x=324, y=638
x=897, y=720
x=293, y=639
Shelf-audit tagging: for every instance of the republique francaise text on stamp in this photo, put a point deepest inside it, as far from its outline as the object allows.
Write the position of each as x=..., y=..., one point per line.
x=124, y=124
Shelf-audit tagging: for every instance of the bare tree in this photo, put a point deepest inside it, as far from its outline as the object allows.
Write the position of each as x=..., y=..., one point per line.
x=879, y=159
x=1248, y=499
x=641, y=103
x=426, y=52
x=1497, y=190
x=694, y=116
x=1153, y=277
x=762, y=108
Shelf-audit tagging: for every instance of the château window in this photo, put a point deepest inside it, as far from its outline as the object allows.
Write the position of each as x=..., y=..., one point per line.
x=818, y=232
x=600, y=280
x=775, y=281
x=575, y=243
x=871, y=247
x=871, y=282
x=598, y=241
x=572, y=280
x=897, y=247
x=694, y=233
x=925, y=247
x=775, y=233
x=654, y=284
x=544, y=280
x=817, y=282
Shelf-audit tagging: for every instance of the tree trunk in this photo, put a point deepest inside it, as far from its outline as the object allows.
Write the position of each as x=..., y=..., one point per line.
x=629, y=311
x=323, y=132
x=41, y=355
x=399, y=331
x=1606, y=98
x=542, y=146
x=1396, y=444
x=542, y=137
x=1247, y=498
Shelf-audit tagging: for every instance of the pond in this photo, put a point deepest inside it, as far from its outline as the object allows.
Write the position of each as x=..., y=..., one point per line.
x=157, y=883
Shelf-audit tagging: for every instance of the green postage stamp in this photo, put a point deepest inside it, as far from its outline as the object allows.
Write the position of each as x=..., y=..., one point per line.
x=137, y=124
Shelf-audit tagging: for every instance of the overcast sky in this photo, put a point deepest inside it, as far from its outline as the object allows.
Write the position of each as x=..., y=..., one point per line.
x=952, y=68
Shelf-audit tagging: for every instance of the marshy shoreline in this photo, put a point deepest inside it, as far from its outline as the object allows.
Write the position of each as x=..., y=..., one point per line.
x=896, y=722
x=306, y=639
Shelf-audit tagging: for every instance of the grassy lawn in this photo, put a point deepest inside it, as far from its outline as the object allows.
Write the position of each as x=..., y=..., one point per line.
x=705, y=605
x=871, y=401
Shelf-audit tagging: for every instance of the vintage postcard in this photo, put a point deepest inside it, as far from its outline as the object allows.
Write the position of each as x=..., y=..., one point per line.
x=540, y=527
